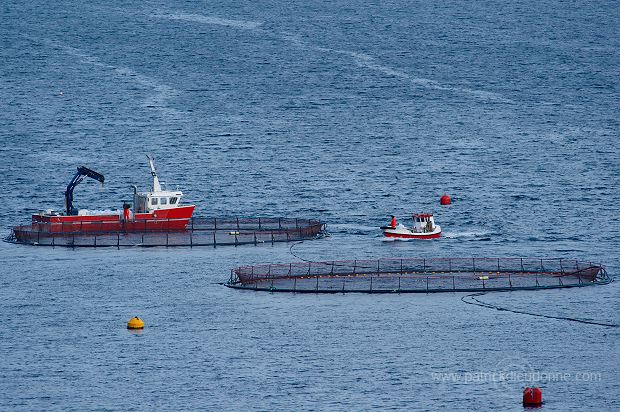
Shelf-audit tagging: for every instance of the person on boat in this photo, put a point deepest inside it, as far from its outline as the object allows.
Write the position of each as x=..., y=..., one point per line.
x=393, y=221
x=126, y=212
x=429, y=226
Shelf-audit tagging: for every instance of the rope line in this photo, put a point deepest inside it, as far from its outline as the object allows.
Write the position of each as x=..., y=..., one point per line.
x=293, y=253
x=478, y=302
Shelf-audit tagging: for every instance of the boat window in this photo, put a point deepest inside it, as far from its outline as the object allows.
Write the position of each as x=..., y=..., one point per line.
x=173, y=200
x=153, y=200
x=163, y=200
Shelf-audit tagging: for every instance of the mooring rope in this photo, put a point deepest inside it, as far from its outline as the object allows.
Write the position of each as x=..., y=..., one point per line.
x=478, y=302
x=293, y=253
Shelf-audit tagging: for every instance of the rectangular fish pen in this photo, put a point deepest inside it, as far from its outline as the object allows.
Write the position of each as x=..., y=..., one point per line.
x=199, y=232
x=413, y=275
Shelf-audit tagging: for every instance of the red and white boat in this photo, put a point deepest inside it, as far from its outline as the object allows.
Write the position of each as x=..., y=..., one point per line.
x=157, y=209
x=423, y=228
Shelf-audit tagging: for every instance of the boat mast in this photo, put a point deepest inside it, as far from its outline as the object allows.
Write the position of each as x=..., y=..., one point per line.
x=156, y=185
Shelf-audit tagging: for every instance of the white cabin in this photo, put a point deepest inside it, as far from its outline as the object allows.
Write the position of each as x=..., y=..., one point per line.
x=156, y=199
x=145, y=202
x=423, y=222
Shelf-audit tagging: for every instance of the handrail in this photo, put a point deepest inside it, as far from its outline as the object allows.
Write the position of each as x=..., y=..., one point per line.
x=194, y=223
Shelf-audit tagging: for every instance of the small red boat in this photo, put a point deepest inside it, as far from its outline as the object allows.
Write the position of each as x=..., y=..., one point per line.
x=423, y=228
x=155, y=210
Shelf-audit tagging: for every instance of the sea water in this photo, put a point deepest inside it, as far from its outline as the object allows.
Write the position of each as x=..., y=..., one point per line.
x=347, y=111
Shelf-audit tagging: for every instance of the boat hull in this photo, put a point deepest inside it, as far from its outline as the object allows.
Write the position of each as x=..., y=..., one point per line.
x=159, y=220
x=402, y=233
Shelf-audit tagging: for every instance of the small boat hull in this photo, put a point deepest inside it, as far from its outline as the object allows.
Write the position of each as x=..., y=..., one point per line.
x=401, y=232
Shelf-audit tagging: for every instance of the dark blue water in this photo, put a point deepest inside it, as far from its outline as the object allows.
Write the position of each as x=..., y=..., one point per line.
x=345, y=110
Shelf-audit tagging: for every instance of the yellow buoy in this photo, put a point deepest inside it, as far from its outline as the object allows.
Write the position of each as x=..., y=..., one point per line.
x=135, y=323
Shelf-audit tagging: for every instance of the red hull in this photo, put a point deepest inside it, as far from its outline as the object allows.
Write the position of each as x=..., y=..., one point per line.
x=159, y=220
x=405, y=236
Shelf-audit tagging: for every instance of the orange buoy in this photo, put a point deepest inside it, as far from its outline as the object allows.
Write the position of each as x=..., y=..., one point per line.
x=445, y=200
x=532, y=396
x=135, y=323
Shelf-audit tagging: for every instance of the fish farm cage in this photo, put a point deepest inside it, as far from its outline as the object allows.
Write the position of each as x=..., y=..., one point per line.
x=200, y=232
x=419, y=275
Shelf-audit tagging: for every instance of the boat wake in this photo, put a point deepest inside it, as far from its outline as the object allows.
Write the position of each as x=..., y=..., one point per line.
x=204, y=19
x=362, y=60
x=159, y=97
x=352, y=229
x=467, y=235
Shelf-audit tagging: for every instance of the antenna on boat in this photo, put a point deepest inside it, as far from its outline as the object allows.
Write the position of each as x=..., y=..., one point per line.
x=156, y=185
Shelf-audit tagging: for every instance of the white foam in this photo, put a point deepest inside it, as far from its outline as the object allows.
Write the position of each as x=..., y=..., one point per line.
x=456, y=235
x=161, y=92
x=352, y=227
x=360, y=59
x=205, y=19
x=367, y=61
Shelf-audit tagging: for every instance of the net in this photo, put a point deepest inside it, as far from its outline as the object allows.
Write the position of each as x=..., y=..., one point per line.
x=418, y=275
x=199, y=232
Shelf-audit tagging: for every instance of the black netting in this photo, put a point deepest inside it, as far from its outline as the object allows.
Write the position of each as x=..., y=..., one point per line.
x=419, y=275
x=199, y=232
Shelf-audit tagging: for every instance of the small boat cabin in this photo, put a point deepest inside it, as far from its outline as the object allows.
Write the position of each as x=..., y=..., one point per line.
x=423, y=222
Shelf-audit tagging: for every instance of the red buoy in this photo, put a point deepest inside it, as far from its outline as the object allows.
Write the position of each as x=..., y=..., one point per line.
x=532, y=396
x=445, y=200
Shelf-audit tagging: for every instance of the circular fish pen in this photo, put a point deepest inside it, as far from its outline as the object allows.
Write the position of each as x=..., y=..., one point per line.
x=419, y=275
x=199, y=232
